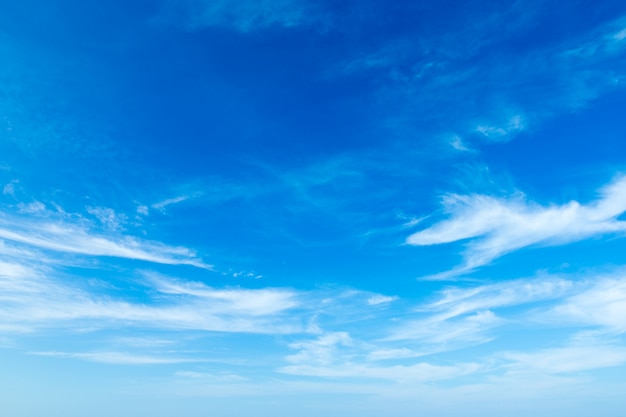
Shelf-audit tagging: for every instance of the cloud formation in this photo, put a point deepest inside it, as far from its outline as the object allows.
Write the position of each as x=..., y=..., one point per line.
x=566, y=359
x=75, y=237
x=600, y=304
x=32, y=297
x=496, y=226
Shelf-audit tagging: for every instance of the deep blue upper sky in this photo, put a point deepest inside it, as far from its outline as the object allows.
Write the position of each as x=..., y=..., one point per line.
x=352, y=207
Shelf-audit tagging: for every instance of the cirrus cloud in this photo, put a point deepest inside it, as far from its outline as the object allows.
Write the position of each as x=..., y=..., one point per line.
x=496, y=226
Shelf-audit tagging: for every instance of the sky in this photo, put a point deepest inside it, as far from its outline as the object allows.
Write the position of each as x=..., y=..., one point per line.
x=287, y=207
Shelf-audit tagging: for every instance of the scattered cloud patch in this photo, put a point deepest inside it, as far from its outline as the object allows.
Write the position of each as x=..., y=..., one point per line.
x=323, y=350
x=108, y=217
x=32, y=208
x=380, y=299
x=9, y=189
x=512, y=127
x=457, y=143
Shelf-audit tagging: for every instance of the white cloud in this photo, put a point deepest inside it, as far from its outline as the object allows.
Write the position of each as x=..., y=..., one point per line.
x=73, y=237
x=224, y=378
x=496, y=226
x=514, y=125
x=145, y=342
x=162, y=205
x=36, y=295
x=448, y=334
x=609, y=40
x=108, y=217
x=337, y=355
x=454, y=302
x=258, y=302
x=380, y=299
x=421, y=372
x=566, y=359
x=9, y=189
x=32, y=298
x=457, y=143
x=467, y=316
x=601, y=303
x=401, y=353
x=505, y=91
x=322, y=351
x=32, y=208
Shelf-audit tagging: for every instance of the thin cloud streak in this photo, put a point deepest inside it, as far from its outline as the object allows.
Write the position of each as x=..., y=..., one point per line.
x=337, y=355
x=34, y=296
x=74, y=238
x=601, y=304
x=38, y=303
x=566, y=359
x=497, y=226
x=421, y=372
x=462, y=317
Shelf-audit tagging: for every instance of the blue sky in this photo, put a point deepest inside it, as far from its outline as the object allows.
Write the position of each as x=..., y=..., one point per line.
x=233, y=208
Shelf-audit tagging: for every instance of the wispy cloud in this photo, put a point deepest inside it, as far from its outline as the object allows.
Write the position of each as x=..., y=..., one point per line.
x=108, y=217
x=607, y=40
x=380, y=299
x=241, y=301
x=37, y=289
x=458, y=301
x=514, y=125
x=466, y=316
x=496, y=226
x=400, y=353
x=457, y=143
x=9, y=189
x=32, y=297
x=421, y=372
x=566, y=359
x=320, y=358
x=441, y=333
x=162, y=205
x=600, y=304
x=506, y=90
x=74, y=237
x=328, y=357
